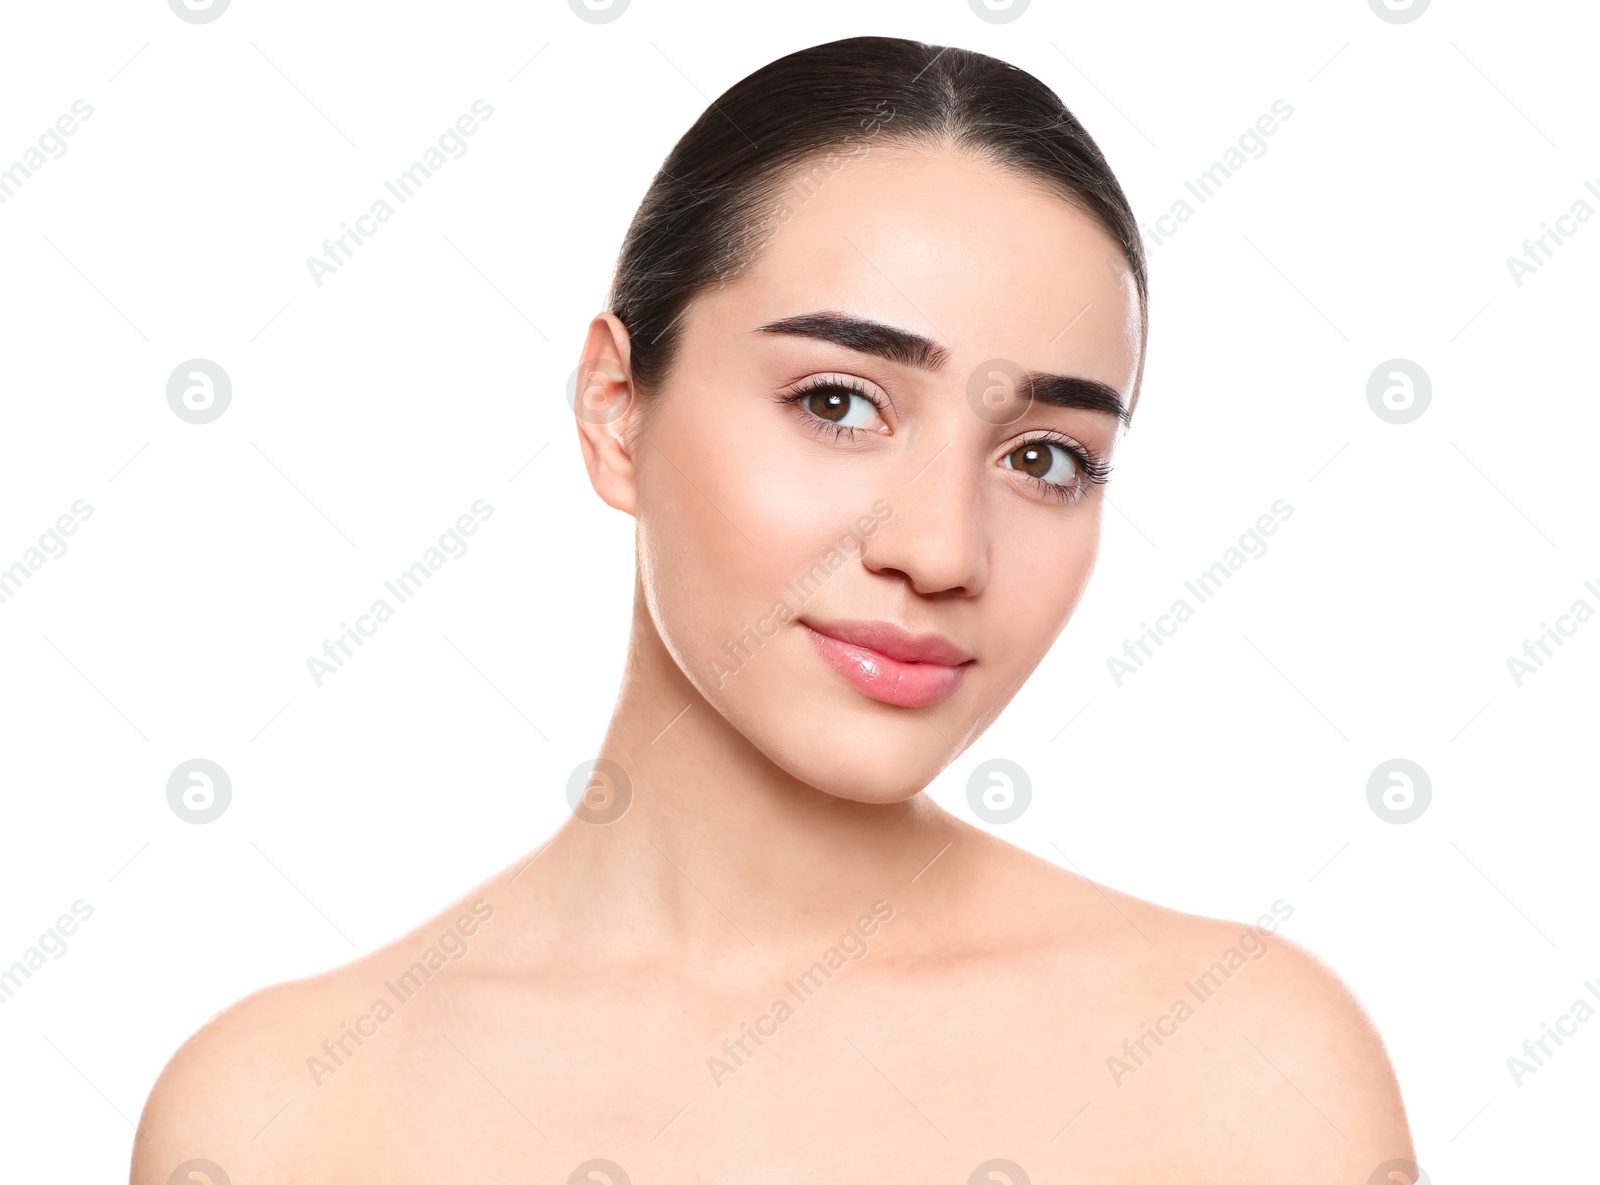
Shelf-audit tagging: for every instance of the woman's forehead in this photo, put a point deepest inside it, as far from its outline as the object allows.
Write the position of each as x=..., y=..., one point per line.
x=947, y=245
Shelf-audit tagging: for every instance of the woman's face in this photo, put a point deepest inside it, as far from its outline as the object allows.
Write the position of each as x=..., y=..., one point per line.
x=857, y=532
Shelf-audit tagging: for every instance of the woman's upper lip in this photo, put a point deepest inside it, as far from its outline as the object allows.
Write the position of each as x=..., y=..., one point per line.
x=894, y=641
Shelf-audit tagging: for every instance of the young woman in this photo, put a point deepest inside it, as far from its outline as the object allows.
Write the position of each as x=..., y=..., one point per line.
x=873, y=336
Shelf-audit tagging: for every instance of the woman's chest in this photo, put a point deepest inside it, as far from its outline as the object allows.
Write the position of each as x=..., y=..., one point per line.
x=857, y=1086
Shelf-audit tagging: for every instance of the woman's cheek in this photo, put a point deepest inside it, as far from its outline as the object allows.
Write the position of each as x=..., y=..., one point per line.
x=691, y=559
x=796, y=495
x=1039, y=576
x=715, y=554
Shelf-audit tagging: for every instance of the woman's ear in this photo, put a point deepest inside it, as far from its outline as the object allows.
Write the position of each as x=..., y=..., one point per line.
x=603, y=403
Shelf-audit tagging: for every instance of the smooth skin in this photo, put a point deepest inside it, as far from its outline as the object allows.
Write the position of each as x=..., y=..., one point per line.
x=587, y=1016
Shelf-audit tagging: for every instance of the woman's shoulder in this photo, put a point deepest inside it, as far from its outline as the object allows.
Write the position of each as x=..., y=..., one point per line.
x=270, y=1060
x=233, y=1078
x=1211, y=1018
x=1085, y=919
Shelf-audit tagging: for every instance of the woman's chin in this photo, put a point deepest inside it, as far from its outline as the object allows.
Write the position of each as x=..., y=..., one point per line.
x=873, y=769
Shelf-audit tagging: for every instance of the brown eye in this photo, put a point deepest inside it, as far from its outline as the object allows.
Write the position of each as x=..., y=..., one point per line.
x=836, y=404
x=1043, y=460
x=828, y=405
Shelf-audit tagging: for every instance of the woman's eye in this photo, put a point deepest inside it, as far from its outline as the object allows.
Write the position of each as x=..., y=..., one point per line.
x=1048, y=462
x=846, y=409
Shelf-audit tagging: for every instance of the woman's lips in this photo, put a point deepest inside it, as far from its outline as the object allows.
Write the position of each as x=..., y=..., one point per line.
x=888, y=664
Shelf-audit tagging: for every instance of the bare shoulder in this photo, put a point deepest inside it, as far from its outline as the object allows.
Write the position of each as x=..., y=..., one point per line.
x=253, y=1091
x=228, y=1082
x=1241, y=1045
x=1293, y=1043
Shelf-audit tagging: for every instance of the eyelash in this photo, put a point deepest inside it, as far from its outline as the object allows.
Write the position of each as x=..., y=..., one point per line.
x=1091, y=471
x=815, y=422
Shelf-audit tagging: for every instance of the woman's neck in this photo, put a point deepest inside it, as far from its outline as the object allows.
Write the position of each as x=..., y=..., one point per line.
x=719, y=850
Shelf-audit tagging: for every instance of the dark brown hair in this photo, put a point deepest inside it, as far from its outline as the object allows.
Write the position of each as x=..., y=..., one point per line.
x=701, y=222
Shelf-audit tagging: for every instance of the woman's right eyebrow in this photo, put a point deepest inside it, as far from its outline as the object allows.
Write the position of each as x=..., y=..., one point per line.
x=912, y=349
x=867, y=337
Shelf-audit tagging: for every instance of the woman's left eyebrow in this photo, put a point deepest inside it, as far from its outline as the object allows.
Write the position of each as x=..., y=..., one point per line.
x=905, y=348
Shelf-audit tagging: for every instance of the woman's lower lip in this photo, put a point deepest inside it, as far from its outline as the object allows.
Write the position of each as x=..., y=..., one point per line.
x=888, y=680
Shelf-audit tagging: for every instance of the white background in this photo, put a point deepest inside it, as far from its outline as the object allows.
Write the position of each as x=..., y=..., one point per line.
x=369, y=412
